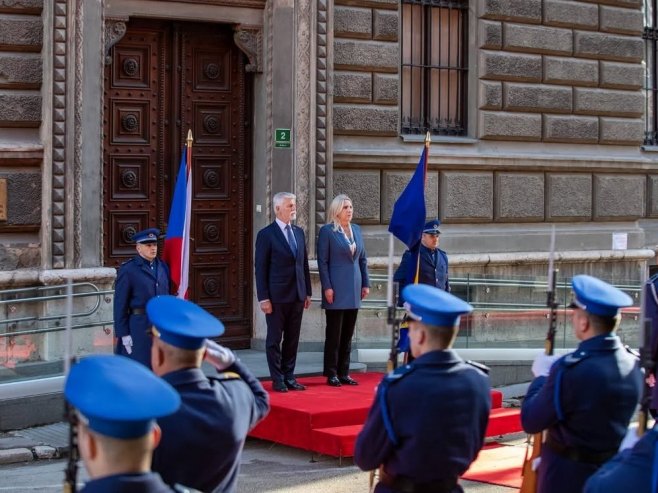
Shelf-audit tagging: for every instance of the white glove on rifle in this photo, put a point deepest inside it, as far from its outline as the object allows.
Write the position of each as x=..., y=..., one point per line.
x=219, y=356
x=127, y=342
x=630, y=439
x=542, y=365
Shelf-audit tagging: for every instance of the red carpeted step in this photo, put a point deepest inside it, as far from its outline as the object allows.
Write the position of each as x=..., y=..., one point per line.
x=337, y=441
x=504, y=420
x=496, y=399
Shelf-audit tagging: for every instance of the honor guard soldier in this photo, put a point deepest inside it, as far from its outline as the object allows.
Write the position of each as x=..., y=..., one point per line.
x=117, y=402
x=632, y=470
x=423, y=448
x=202, y=443
x=585, y=399
x=138, y=280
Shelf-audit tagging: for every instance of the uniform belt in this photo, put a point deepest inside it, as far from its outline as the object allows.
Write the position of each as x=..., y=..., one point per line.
x=137, y=311
x=579, y=455
x=404, y=484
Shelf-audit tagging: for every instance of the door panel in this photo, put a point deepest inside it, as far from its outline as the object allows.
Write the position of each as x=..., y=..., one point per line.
x=166, y=78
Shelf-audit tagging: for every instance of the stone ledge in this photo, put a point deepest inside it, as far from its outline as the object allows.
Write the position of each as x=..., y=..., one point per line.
x=50, y=277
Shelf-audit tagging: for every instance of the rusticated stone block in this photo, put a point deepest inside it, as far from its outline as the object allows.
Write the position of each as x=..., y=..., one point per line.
x=510, y=66
x=519, y=196
x=352, y=87
x=619, y=3
x=623, y=21
x=466, y=197
x=20, y=108
x=606, y=46
x=509, y=126
x=385, y=88
x=385, y=25
x=23, y=199
x=563, y=128
x=365, y=119
x=21, y=33
x=571, y=14
x=652, y=200
x=366, y=55
x=616, y=75
x=591, y=101
x=569, y=197
x=528, y=11
x=572, y=71
x=619, y=196
x=23, y=71
x=538, y=98
x=491, y=95
x=537, y=39
x=622, y=131
x=394, y=182
x=351, y=22
x=363, y=187
x=491, y=35
x=21, y=6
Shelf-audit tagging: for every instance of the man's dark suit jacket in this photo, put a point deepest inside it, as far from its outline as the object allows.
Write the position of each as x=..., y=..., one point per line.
x=281, y=277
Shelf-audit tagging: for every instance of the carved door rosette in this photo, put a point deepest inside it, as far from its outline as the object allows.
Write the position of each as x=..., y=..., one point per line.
x=115, y=29
x=250, y=41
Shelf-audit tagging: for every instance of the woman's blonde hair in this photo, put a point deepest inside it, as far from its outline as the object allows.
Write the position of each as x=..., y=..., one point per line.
x=335, y=208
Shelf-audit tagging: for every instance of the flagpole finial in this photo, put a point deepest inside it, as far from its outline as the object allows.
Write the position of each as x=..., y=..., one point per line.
x=189, y=138
x=428, y=139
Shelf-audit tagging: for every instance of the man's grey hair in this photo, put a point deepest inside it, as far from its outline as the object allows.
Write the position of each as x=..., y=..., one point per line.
x=280, y=197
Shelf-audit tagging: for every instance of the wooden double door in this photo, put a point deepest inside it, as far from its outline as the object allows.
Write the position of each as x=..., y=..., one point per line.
x=165, y=78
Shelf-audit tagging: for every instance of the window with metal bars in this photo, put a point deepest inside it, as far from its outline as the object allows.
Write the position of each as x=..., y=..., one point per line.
x=434, y=67
x=651, y=58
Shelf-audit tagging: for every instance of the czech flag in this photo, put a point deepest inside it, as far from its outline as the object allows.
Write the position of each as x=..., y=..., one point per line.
x=177, y=241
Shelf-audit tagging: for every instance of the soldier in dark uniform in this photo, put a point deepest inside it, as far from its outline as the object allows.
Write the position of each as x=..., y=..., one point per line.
x=117, y=401
x=633, y=470
x=201, y=443
x=432, y=270
x=138, y=280
x=651, y=313
x=585, y=399
x=427, y=447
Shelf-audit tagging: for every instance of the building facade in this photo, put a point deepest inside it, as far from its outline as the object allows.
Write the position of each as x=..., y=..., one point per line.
x=537, y=108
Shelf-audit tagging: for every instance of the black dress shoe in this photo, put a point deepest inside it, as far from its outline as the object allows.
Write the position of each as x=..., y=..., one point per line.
x=333, y=382
x=348, y=381
x=294, y=385
x=279, y=387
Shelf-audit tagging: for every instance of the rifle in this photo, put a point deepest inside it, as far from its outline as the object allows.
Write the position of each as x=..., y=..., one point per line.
x=394, y=323
x=70, y=415
x=646, y=356
x=529, y=475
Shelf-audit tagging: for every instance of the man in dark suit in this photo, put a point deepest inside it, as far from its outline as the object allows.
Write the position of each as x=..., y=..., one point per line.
x=283, y=285
x=202, y=442
x=138, y=280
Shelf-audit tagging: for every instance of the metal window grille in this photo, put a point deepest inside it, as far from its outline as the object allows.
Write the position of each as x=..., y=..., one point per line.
x=434, y=66
x=651, y=57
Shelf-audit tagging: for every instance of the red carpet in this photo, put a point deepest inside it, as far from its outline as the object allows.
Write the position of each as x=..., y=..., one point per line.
x=327, y=419
x=498, y=464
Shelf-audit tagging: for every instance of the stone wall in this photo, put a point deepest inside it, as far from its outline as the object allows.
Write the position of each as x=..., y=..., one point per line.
x=561, y=71
x=21, y=154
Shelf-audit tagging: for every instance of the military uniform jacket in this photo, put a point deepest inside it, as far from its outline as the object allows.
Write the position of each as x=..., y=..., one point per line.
x=136, y=284
x=428, y=420
x=130, y=483
x=651, y=313
x=341, y=271
x=585, y=403
x=632, y=471
x=202, y=442
x=433, y=269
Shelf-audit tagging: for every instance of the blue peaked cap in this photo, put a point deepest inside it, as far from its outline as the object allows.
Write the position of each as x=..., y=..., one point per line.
x=433, y=306
x=432, y=227
x=149, y=235
x=598, y=297
x=119, y=397
x=182, y=323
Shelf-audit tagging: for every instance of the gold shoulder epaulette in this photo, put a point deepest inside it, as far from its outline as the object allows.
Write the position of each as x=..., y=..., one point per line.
x=227, y=375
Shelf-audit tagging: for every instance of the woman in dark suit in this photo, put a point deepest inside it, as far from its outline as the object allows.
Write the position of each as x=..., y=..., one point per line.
x=344, y=277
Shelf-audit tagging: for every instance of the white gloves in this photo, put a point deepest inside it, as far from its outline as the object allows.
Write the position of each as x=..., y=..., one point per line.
x=127, y=342
x=219, y=356
x=542, y=365
x=630, y=439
